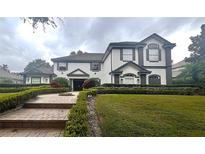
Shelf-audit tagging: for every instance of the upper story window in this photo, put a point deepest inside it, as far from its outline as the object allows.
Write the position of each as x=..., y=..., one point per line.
x=127, y=55
x=153, y=53
x=62, y=66
x=95, y=66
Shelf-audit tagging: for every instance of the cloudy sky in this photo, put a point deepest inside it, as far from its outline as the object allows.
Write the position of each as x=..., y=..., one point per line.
x=19, y=45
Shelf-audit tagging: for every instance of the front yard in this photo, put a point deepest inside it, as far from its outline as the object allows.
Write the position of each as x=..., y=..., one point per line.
x=151, y=115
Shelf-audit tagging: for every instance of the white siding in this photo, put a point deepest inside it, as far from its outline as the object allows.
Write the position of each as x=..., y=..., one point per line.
x=43, y=79
x=106, y=77
x=83, y=66
x=116, y=62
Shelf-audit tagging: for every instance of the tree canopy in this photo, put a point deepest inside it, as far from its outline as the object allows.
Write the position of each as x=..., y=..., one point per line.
x=197, y=48
x=194, y=73
x=35, y=21
x=36, y=64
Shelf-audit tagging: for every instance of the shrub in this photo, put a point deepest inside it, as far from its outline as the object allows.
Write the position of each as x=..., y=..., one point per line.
x=55, y=84
x=12, y=90
x=138, y=85
x=77, y=124
x=9, y=101
x=23, y=85
x=59, y=82
x=165, y=91
x=89, y=83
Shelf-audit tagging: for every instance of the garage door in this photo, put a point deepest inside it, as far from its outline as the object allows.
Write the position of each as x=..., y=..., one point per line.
x=35, y=80
x=154, y=79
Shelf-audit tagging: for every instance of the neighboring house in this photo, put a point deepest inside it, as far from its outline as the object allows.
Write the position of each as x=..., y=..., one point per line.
x=144, y=62
x=178, y=68
x=10, y=77
x=41, y=75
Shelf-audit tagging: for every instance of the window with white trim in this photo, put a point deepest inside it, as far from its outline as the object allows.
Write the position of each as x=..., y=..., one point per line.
x=153, y=54
x=127, y=55
x=62, y=66
x=95, y=66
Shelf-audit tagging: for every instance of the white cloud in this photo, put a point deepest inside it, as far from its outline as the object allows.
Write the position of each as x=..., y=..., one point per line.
x=19, y=45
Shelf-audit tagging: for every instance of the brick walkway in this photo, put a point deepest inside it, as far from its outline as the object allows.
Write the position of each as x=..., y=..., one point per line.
x=38, y=121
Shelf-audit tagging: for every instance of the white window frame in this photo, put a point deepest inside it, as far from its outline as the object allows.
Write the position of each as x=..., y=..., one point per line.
x=95, y=66
x=127, y=54
x=154, y=56
x=62, y=66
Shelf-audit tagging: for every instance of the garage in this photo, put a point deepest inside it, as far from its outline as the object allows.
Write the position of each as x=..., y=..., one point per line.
x=154, y=79
x=77, y=84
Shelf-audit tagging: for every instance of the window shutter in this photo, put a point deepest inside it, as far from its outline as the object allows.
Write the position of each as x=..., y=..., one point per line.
x=147, y=54
x=121, y=54
x=66, y=66
x=57, y=65
x=160, y=57
x=133, y=54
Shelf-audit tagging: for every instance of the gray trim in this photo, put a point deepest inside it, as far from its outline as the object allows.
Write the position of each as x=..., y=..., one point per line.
x=169, y=65
x=133, y=54
x=157, y=37
x=121, y=45
x=58, y=66
x=121, y=54
x=160, y=55
x=77, y=61
x=24, y=79
x=155, y=67
x=140, y=56
x=140, y=68
x=78, y=75
x=143, y=79
x=116, y=79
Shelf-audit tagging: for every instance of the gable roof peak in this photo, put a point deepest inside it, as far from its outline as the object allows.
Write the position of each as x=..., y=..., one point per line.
x=158, y=37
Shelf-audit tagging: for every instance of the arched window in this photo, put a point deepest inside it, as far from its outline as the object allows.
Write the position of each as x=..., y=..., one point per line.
x=154, y=79
x=129, y=78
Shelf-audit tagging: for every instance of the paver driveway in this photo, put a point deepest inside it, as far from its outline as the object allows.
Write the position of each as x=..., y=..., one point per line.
x=37, y=115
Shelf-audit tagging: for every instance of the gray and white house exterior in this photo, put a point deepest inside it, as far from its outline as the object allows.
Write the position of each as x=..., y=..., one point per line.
x=38, y=75
x=145, y=62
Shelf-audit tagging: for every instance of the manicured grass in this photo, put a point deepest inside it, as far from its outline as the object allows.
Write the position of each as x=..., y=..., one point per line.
x=151, y=115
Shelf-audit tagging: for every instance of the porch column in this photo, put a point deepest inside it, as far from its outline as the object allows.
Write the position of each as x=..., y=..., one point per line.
x=143, y=79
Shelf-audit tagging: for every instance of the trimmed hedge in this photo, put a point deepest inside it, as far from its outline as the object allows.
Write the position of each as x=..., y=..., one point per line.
x=12, y=90
x=9, y=101
x=77, y=124
x=160, y=91
x=23, y=85
x=139, y=85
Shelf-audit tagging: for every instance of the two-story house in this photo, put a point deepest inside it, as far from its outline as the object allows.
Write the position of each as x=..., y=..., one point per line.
x=144, y=62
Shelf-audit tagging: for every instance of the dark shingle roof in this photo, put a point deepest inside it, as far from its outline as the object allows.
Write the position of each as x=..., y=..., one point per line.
x=39, y=71
x=85, y=57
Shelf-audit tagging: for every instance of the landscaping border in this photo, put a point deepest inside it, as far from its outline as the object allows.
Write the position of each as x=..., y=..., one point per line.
x=77, y=124
x=14, y=100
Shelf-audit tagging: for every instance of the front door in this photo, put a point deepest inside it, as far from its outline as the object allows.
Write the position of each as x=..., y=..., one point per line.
x=77, y=84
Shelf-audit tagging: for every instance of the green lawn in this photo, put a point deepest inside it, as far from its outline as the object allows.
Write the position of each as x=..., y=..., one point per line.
x=151, y=115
